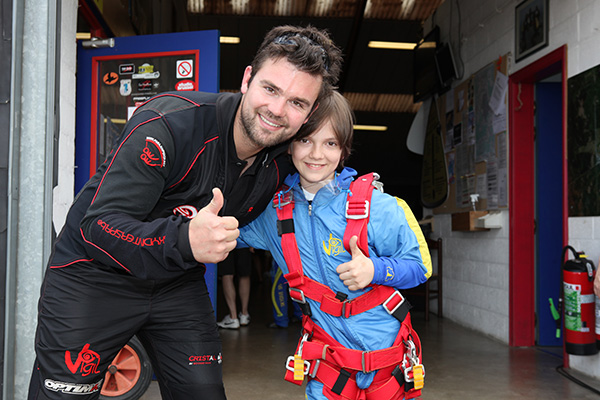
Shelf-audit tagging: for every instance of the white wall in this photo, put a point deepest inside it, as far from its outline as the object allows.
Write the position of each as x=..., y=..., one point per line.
x=476, y=264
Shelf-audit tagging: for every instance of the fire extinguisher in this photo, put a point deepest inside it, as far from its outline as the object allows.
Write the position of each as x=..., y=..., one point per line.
x=579, y=304
x=598, y=317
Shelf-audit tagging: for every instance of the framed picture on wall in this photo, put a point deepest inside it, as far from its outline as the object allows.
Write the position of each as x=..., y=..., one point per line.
x=531, y=27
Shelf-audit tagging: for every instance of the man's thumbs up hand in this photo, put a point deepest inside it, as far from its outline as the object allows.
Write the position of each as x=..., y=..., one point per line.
x=211, y=236
x=357, y=273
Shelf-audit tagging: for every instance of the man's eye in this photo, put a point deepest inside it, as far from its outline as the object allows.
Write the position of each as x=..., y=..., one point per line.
x=269, y=89
x=297, y=104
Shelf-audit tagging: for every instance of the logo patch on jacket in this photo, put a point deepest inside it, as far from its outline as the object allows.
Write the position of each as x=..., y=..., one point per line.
x=186, y=211
x=334, y=246
x=153, y=153
x=389, y=273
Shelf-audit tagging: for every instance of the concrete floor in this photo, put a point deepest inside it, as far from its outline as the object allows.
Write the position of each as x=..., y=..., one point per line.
x=459, y=363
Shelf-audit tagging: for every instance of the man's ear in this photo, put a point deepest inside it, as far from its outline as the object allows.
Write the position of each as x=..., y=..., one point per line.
x=246, y=79
x=311, y=113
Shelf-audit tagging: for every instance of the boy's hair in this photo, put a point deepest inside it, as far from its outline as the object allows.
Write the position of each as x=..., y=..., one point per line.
x=307, y=48
x=337, y=109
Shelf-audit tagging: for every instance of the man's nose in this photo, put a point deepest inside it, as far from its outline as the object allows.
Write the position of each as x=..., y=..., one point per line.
x=277, y=107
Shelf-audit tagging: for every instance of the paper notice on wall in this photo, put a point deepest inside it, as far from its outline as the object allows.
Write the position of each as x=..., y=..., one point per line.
x=499, y=92
x=492, y=183
x=450, y=100
x=502, y=187
x=502, y=154
x=499, y=120
x=461, y=100
x=449, y=131
x=482, y=186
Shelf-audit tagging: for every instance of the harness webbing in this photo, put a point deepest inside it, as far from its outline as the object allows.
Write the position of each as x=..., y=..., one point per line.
x=357, y=212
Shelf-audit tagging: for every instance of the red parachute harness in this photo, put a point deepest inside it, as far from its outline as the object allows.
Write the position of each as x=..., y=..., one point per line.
x=318, y=355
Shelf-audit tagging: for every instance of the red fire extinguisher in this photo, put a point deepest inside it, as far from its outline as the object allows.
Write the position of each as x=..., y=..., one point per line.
x=579, y=304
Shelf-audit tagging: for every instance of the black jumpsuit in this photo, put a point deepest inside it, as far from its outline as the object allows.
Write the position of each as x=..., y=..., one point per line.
x=122, y=264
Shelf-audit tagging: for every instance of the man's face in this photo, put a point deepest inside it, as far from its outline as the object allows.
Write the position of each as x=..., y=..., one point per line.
x=277, y=102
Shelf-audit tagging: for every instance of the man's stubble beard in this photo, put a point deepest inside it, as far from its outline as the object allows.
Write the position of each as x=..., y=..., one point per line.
x=253, y=132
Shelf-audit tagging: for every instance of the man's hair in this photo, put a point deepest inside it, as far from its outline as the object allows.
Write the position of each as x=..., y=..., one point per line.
x=337, y=109
x=307, y=48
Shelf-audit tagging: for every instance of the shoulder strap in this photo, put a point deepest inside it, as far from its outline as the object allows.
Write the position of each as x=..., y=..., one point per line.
x=284, y=205
x=358, y=209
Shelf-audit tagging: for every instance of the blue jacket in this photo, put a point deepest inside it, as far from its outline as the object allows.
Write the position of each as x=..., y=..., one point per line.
x=396, y=246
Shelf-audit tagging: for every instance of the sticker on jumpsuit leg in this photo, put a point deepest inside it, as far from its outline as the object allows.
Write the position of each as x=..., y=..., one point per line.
x=205, y=359
x=85, y=364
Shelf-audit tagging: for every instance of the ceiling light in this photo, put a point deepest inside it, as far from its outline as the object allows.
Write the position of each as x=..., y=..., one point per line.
x=378, y=128
x=229, y=40
x=391, y=45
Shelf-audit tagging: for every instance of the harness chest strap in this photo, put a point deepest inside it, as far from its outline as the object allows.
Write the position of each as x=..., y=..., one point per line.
x=301, y=286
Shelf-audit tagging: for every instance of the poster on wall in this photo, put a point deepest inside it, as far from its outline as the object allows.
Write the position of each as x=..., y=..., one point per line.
x=583, y=143
x=531, y=27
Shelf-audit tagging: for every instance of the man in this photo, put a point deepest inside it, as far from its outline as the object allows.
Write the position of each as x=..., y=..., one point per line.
x=237, y=265
x=187, y=171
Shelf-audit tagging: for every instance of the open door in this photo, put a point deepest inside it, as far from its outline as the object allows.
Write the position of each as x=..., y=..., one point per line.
x=522, y=190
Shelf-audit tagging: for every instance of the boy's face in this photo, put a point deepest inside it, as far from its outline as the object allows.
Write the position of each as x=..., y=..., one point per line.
x=277, y=102
x=316, y=157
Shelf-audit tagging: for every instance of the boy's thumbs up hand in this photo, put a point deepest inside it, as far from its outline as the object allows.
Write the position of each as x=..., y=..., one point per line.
x=357, y=273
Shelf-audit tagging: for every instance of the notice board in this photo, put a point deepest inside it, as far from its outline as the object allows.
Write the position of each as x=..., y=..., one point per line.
x=473, y=126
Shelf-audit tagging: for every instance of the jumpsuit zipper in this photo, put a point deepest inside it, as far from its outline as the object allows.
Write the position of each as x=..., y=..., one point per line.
x=323, y=275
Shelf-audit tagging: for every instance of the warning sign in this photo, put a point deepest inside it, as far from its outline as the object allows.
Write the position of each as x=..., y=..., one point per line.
x=185, y=69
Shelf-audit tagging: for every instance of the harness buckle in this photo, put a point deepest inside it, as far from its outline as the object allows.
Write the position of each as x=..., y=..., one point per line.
x=300, y=299
x=376, y=183
x=357, y=207
x=316, y=364
x=283, y=198
x=418, y=371
x=344, y=304
x=363, y=362
x=289, y=365
x=393, y=310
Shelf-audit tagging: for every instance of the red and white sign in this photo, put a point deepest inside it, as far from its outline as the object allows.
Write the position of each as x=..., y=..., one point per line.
x=185, y=85
x=185, y=69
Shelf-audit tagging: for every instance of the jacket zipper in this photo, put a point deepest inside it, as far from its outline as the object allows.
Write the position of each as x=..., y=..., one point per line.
x=324, y=280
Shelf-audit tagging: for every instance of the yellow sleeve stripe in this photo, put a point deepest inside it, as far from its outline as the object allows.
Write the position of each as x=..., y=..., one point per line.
x=273, y=289
x=416, y=228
